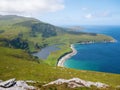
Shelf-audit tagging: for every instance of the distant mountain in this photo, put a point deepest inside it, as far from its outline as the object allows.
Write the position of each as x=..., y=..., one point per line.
x=11, y=19
x=32, y=34
x=76, y=28
x=19, y=29
x=36, y=26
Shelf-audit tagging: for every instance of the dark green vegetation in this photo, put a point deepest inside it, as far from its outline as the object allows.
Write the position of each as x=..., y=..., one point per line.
x=20, y=36
x=32, y=34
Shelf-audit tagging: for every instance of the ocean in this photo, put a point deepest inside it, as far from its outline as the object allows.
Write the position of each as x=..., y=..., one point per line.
x=101, y=57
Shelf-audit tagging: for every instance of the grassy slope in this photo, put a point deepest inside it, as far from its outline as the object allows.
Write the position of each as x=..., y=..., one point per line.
x=15, y=63
x=14, y=26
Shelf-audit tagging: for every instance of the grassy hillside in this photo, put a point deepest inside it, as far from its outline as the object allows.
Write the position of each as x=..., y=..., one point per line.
x=32, y=35
x=15, y=63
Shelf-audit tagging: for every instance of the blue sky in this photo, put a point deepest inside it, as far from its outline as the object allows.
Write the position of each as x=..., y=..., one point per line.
x=86, y=12
x=66, y=12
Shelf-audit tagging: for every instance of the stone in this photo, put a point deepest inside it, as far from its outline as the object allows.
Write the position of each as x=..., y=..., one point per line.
x=8, y=83
x=76, y=82
x=15, y=85
x=24, y=85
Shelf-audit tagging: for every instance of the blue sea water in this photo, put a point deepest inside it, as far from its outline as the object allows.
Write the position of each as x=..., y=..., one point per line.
x=102, y=57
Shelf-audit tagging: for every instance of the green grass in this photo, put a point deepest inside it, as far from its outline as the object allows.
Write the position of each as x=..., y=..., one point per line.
x=54, y=56
x=71, y=39
x=15, y=63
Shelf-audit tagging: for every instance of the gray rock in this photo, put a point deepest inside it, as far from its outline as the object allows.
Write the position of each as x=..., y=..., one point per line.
x=8, y=83
x=76, y=82
x=24, y=85
x=15, y=85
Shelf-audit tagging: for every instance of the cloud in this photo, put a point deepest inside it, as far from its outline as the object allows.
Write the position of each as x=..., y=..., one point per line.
x=30, y=6
x=89, y=16
x=97, y=15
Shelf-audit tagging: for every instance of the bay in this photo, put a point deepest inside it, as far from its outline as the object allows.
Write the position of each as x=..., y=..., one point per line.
x=102, y=57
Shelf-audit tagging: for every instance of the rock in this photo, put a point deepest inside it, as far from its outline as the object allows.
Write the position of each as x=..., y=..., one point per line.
x=74, y=85
x=15, y=85
x=76, y=82
x=8, y=83
x=24, y=85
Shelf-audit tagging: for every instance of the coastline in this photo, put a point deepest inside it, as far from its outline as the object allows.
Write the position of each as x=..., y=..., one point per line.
x=74, y=52
x=67, y=56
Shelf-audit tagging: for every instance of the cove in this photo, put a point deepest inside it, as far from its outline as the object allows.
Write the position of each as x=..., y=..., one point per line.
x=102, y=57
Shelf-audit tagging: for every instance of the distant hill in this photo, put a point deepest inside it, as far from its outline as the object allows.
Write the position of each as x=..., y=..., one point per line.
x=32, y=34
x=76, y=28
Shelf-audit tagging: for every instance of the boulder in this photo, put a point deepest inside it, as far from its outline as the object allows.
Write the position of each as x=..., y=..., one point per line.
x=8, y=83
x=24, y=85
x=15, y=85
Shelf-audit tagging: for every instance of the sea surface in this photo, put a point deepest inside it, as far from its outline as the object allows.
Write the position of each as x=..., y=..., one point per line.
x=102, y=57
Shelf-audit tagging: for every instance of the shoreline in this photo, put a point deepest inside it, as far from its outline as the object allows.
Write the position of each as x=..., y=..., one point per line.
x=74, y=52
x=67, y=56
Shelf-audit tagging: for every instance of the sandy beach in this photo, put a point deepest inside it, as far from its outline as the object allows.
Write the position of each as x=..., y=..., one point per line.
x=67, y=56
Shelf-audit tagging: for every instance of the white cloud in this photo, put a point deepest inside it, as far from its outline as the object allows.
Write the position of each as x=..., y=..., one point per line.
x=97, y=15
x=27, y=7
x=89, y=16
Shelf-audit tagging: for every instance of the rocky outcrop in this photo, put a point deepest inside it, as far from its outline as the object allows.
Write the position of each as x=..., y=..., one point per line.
x=76, y=82
x=12, y=84
x=8, y=83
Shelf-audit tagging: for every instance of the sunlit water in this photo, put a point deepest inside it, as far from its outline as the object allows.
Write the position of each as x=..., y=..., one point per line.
x=103, y=57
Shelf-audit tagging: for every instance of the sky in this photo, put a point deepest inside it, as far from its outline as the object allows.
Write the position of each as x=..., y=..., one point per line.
x=65, y=12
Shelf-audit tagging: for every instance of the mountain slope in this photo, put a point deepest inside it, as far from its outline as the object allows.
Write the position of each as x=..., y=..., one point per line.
x=15, y=63
x=31, y=34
